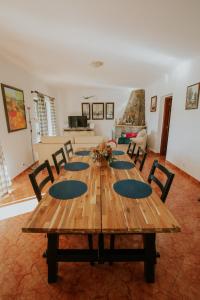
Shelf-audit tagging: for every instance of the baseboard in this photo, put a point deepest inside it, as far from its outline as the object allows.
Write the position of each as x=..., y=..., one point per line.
x=178, y=169
x=25, y=170
x=152, y=151
x=183, y=172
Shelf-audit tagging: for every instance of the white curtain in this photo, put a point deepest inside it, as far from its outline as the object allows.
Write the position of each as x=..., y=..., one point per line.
x=53, y=116
x=4, y=178
x=42, y=115
x=46, y=115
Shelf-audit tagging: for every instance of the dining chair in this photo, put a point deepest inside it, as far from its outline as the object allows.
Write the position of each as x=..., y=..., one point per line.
x=164, y=187
x=59, y=159
x=37, y=187
x=131, y=149
x=69, y=149
x=140, y=157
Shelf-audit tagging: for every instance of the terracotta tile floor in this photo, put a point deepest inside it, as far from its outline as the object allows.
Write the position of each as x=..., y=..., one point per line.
x=23, y=271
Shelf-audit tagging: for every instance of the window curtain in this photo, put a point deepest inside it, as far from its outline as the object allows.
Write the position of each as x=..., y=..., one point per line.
x=4, y=178
x=42, y=115
x=53, y=116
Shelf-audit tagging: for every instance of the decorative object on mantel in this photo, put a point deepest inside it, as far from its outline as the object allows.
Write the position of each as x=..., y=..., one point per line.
x=102, y=154
x=97, y=63
x=88, y=97
x=86, y=109
x=134, y=113
x=98, y=111
x=110, y=106
x=192, y=97
x=13, y=99
x=153, y=104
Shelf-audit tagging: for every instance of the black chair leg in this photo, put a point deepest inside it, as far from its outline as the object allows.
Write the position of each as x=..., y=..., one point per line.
x=112, y=241
x=90, y=244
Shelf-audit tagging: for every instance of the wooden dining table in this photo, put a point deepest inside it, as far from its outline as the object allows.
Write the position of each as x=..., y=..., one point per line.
x=99, y=211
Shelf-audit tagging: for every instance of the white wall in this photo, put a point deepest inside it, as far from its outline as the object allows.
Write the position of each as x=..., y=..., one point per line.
x=17, y=145
x=184, y=137
x=68, y=102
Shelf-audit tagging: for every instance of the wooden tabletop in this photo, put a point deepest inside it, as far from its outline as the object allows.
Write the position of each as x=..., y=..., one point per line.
x=101, y=209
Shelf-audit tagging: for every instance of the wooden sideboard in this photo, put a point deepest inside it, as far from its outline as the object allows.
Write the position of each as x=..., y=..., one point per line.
x=79, y=131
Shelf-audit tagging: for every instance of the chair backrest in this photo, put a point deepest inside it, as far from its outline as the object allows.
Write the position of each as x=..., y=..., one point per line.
x=140, y=157
x=68, y=149
x=131, y=149
x=163, y=187
x=59, y=159
x=37, y=187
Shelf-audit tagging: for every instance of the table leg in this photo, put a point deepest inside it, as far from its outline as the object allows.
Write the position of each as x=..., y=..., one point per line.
x=53, y=240
x=101, y=248
x=150, y=256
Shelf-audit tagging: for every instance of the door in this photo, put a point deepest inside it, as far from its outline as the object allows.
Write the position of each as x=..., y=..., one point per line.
x=166, y=124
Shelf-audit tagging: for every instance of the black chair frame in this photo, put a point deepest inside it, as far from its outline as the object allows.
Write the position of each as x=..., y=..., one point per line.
x=140, y=157
x=38, y=187
x=163, y=187
x=131, y=149
x=59, y=163
x=68, y=148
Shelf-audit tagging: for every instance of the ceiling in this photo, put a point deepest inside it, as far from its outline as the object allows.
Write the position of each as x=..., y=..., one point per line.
x=138, y=40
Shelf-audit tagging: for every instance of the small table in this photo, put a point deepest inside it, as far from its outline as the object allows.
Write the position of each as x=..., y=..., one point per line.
x=101, y=211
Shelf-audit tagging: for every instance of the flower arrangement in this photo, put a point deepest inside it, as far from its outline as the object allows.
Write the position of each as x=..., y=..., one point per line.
x=102, y=153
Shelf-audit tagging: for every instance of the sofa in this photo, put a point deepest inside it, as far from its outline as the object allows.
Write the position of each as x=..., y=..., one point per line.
x=140, y=139
x=50, y=144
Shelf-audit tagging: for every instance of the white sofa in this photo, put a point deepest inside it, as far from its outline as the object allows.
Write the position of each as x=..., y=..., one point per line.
x=50, y=144
x=140, y=139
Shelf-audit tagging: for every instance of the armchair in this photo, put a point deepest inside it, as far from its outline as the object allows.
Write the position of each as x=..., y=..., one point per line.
x=140, y=140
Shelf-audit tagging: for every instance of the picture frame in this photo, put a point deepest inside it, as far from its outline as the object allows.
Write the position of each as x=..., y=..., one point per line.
x=110, y=110
x=86, y=109
x=98, y=111
x=13, y=99
x=153, y=106
x=192, y=96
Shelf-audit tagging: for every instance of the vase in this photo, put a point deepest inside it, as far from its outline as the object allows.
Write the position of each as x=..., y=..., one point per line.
x=102, y=163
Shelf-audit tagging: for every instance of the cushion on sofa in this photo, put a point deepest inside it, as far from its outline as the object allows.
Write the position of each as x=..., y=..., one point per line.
x=56, y=139
x=142, y=133
x=89, y=139
x=131, y=134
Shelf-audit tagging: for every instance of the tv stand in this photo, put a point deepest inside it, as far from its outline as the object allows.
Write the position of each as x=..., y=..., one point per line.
x=77, y=131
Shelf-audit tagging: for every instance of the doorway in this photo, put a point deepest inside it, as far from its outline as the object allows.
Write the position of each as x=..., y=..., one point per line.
x=165, y=126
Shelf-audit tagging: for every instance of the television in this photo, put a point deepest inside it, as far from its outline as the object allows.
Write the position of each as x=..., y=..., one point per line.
x=77, y=121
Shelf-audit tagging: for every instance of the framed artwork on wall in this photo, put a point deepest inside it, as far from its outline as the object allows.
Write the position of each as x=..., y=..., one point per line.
x=192, y=96
x=110, y=107
x=98, y=111
x=86, y=109
x=153, y=104
x=13, y=99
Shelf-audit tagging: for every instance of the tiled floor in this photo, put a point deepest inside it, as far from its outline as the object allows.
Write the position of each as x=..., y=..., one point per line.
x=23, y=271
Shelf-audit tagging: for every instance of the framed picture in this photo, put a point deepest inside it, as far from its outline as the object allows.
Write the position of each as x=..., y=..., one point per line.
x=86, y=109
x=110, y=106
x=97, y=111
x=192, y=97
x=153, y=103
x=13, y=99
